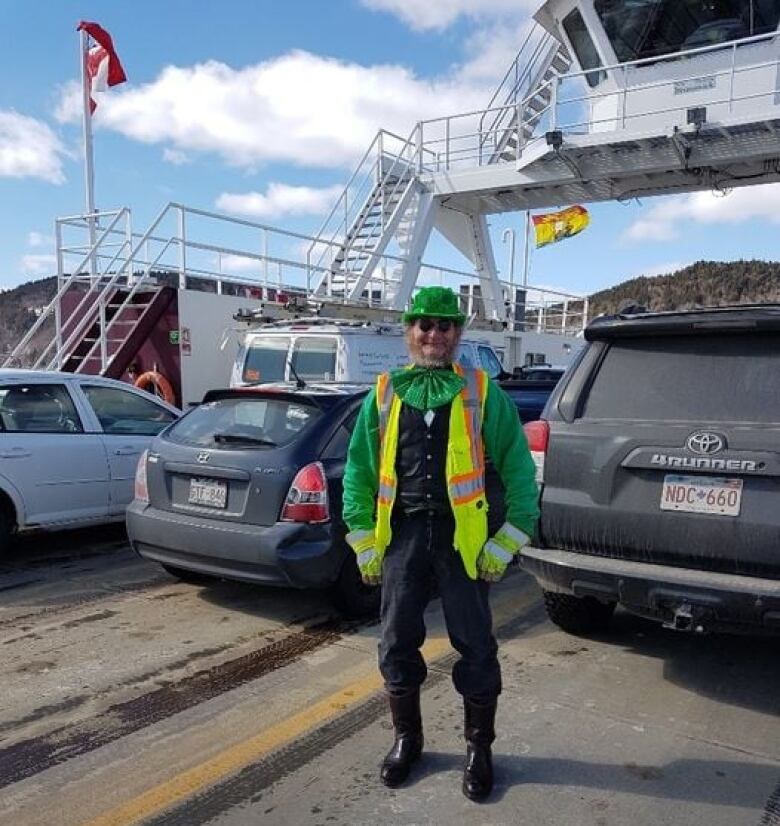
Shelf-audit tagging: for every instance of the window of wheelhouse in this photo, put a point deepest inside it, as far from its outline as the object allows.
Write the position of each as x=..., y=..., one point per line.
x=584, y=47
x=651, y=28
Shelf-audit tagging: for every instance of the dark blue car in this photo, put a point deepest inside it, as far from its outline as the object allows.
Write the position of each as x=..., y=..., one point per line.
x=247, y=486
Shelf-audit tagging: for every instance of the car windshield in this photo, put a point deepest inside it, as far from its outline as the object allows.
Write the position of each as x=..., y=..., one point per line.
x=254, y=421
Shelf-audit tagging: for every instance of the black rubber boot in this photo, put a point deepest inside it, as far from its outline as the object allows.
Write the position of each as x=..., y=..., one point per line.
x=405, y=710
x=480, y=732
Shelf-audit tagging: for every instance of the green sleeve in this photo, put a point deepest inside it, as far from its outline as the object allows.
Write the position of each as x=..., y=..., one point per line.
x=361, y=474
x=507, y=447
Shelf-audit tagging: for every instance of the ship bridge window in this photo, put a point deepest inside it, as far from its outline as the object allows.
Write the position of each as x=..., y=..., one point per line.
x=640, y=29
x=584, y=47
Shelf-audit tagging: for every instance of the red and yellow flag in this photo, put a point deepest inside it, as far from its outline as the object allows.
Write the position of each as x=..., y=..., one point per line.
x=555, y=226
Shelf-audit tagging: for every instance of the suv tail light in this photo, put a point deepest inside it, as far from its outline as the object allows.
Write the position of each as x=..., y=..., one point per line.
x=538, y=435
x=307, y=499
x=141, y=490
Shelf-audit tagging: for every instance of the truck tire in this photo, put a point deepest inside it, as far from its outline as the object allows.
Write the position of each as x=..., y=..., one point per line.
x=351, y=595
x=578, y=615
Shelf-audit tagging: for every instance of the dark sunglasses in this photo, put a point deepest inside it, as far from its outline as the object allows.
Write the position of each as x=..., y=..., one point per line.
x=443, y=325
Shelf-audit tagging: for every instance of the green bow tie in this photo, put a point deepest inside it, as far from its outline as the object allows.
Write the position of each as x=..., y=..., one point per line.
x=426, y=388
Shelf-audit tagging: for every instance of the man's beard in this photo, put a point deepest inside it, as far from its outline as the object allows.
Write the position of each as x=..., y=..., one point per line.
x=431, y=362
x=420, y=359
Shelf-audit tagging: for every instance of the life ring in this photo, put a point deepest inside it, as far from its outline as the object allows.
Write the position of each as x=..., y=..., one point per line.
x=155, y=383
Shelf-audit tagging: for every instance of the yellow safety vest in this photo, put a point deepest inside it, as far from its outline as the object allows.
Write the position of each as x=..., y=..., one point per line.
x=465, y=464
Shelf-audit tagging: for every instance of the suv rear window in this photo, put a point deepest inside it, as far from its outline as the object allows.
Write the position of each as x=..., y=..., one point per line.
x=243, y=422
x=724, y=378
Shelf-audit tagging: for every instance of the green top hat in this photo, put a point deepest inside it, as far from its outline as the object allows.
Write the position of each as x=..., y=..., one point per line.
x=434, y=302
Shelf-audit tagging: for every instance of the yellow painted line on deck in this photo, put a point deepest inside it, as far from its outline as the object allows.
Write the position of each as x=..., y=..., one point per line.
x=249, y=751
x=188, y=783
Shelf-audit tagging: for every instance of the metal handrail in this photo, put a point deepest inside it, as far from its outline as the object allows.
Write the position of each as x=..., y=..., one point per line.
x=53, y=306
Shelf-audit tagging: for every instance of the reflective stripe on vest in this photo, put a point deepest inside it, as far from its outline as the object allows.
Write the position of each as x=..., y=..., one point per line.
x=465, y=465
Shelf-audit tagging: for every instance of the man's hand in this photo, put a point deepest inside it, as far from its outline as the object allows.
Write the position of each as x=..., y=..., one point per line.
x=497, y=552
x=369, y=560
x=492, y=561
x=370, y=566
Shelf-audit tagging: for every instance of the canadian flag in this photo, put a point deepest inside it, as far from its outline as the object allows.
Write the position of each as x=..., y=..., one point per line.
x=103, y=66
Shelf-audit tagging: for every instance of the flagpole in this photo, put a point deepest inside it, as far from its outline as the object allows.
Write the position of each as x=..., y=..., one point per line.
x=526, y=250
x=89, y=169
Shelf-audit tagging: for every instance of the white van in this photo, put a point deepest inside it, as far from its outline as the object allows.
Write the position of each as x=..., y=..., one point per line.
x=344, y=351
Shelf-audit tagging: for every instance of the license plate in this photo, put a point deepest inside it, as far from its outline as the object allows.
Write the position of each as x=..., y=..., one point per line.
x=702, y=494
x=208, y=492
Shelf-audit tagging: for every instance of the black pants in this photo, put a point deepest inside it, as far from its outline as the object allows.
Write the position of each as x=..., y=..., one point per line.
x=420, y=554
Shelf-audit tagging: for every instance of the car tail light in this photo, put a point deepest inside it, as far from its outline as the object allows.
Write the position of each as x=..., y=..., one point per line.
x=141, y=488
x=307, y=499
x=538, y=435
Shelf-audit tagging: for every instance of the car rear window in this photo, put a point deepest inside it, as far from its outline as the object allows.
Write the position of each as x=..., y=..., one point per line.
x=718, y=378
x=244, y=422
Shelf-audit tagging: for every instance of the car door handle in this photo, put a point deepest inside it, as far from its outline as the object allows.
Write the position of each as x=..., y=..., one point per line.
x=15, y=453
x=127, y=451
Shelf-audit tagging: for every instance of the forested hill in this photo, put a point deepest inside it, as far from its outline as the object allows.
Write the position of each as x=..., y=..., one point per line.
x=19, y=307
x=705, y=283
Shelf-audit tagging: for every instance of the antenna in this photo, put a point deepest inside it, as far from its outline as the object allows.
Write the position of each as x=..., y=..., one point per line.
x=300, y=384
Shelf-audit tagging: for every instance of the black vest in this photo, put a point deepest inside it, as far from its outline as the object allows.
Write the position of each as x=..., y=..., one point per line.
x=421, y=460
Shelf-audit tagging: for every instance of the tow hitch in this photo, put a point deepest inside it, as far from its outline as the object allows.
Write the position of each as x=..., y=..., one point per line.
x=687, y=617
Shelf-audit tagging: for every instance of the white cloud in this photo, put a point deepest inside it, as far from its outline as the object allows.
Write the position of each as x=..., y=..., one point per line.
x=38, y=265
x=280, y=199
x=38, y=239
x=175, y=156
x=299, y=108
x=438, y=14
x=29, y=149
x=670, y=219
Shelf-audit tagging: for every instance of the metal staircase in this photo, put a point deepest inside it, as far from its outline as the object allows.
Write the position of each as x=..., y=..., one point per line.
x=373, y=209
x=523, y=96
x=115, y=329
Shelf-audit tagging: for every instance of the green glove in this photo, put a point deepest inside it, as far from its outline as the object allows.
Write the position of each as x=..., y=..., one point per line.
x=369, y=560
x=498, y=551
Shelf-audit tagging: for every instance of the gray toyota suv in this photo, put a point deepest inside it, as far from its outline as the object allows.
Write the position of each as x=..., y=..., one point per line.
x=658, y=456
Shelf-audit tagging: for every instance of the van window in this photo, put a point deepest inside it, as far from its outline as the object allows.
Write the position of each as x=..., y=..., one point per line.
x=315, y=357
x=266, y=358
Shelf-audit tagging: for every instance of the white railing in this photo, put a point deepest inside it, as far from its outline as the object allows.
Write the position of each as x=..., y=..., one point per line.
x=141, y=261
x=458, y=141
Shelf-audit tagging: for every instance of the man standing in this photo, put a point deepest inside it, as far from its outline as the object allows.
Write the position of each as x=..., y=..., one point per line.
x=416, y=508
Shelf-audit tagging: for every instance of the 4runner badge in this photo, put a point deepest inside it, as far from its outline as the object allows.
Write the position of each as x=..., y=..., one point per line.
x=705, y=442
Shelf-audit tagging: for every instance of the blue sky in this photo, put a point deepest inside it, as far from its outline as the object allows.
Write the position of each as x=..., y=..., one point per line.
x=262, y=108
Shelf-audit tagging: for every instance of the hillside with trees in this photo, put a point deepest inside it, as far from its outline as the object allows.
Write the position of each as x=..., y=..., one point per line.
x=705, y=283
x=19, y=307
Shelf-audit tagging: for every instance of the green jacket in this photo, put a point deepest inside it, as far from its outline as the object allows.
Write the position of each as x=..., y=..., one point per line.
x=505, y=445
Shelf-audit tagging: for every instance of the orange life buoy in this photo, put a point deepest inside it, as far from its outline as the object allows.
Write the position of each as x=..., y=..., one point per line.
x=156, y=383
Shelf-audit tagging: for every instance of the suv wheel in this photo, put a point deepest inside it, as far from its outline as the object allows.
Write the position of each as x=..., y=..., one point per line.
x=578, y=615
x=351, y=595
